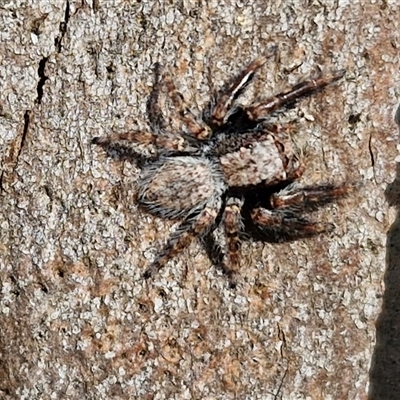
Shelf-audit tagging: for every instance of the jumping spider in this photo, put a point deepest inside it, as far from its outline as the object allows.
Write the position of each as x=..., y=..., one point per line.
x=233, y=166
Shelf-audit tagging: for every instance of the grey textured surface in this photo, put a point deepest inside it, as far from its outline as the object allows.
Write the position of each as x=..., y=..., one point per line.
x=76, y=319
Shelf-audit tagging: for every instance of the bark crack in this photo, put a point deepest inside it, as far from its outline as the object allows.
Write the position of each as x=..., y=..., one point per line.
x=42, y=79
x=63, y=28
x=27, y=117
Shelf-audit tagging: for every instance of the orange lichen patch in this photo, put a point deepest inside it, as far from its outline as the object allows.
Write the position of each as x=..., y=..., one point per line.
x=170, y=350
x=198, y=342
x=79, y=269
x=58, y=268
x=351, y=261
x=102, y=286
x=230, y=372
x=261, y=294
x=133, y=356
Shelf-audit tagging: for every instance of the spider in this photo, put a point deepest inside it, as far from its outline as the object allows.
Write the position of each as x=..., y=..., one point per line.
x=232, y=167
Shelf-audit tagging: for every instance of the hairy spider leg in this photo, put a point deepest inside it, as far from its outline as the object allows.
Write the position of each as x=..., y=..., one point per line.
x=215, y=252
x=188, y=230
x=160, y=139
x=285, y=223
x=213, y=249
x=226, y=99
x=136, y=139
x=195, y=128
x=233, y=226
x=262, y=109
x=156, y=120
x=310, y=197
x=284, y=218
x=154, y=111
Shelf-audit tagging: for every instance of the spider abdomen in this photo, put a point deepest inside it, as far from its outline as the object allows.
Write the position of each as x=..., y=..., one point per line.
x=175, y=187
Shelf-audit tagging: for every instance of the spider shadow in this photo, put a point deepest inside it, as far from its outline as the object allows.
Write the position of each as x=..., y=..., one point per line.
x=385, y=364
x=122, y=152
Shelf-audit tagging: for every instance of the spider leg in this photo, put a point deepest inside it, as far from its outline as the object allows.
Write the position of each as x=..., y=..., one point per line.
x=228, y=261
x=213, y=249
x=233, y=226
x=311, y=197
x=285, y=221
x=160, y=139
x=196, y=129
x=217, y=255
x=286, y=224
x=227, y=98
x=262, y=109
x=154, y=112
x=191, y=228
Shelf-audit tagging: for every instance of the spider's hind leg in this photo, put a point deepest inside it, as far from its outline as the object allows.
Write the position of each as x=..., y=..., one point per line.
x=189, y=229
x=286, y=220
x=162, y=138
x=154, y=111
x=227, y=261
x=285, y=224
x=233, y=226
x=310, y=197
x=138, y=145
x=217, y=256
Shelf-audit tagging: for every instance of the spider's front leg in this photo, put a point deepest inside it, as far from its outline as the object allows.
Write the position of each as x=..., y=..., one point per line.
x=147, y=143
x=261, y=110
x=191, y=228
x=195, y=128
x=226, y=99
x=154, y=111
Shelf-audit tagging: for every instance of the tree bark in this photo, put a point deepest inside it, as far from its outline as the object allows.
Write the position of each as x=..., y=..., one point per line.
x=77, y=320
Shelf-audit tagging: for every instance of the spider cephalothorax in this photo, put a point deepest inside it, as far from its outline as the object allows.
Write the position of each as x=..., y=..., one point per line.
x=230, y=167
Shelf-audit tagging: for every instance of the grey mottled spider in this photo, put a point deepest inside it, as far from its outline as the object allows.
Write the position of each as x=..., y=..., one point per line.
x=231, y=166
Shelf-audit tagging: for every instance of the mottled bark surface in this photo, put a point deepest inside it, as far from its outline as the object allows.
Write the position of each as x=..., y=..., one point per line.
x=77, y=321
